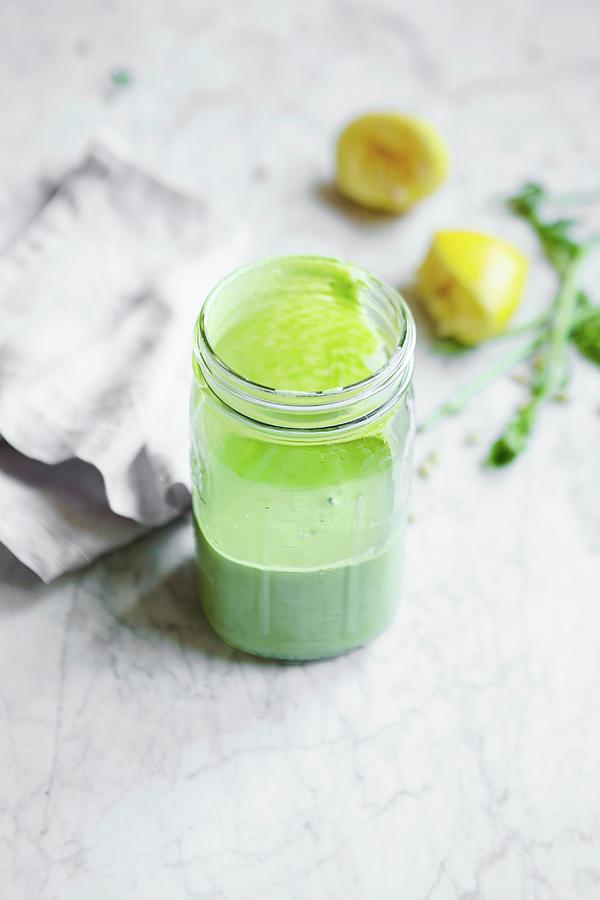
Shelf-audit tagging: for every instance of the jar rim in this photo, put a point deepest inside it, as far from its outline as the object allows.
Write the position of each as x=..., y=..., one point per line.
x=230, y=385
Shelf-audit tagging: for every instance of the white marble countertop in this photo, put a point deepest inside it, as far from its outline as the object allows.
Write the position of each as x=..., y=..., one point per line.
x=457, y=757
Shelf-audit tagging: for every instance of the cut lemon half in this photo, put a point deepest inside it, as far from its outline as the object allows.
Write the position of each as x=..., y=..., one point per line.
x=471, y=284
x=388, y=161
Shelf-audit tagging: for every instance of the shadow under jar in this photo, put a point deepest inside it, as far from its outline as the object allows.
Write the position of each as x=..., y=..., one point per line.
x=302, y=429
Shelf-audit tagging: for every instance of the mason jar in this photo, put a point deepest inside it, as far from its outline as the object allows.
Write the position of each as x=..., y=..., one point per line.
x=300, y=484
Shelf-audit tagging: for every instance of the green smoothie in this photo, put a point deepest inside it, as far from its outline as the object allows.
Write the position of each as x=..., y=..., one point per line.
x=299, y=542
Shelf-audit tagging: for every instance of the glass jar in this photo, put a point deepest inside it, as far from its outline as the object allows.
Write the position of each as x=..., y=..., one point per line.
x=300, y=495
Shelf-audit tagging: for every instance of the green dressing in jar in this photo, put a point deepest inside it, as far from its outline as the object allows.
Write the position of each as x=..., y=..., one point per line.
x=302, y=431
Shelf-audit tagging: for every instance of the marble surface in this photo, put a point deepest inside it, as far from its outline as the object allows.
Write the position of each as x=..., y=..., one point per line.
x=456, y=758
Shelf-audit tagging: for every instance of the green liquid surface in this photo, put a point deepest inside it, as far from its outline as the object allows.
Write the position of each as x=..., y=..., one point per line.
x=308, y=332
x=299, y=545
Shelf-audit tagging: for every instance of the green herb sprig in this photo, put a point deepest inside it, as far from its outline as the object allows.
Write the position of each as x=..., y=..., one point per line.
x=571, y=317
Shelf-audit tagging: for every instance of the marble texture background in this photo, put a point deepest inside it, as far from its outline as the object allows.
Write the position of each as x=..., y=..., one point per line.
x=456, y=758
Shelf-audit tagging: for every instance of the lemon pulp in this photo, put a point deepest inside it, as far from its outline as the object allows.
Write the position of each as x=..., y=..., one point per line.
x=471, y=284
x=389, y=161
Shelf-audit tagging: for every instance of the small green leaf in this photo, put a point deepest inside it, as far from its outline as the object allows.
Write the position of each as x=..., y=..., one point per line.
x=583, y=301
x=528, y=200
x=514, y=439
x=586, y=336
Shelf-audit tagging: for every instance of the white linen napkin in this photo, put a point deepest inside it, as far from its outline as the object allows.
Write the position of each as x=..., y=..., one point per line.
x=97, y=304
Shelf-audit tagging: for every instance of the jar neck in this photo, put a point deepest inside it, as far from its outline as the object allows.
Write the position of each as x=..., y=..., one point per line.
x=307, y=413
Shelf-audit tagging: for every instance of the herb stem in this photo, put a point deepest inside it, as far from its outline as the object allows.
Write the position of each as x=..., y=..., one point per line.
x=460, y=398
x=550, y=374
x=548, y=380
x=525, y=328
x=457, y=401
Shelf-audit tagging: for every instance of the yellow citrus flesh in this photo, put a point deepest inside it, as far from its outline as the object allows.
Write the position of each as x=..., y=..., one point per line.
x=471, y=284
x=388, y=161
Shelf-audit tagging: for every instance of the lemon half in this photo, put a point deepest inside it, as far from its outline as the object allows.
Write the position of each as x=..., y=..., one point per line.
x=388, y=161
x=471, y=284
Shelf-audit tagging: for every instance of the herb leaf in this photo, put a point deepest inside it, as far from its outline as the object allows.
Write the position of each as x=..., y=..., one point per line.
x=586, y=335
x=528, y=201
x=514, y=439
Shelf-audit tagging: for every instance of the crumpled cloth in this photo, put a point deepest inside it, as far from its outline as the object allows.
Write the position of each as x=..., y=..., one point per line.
x=97, y=304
